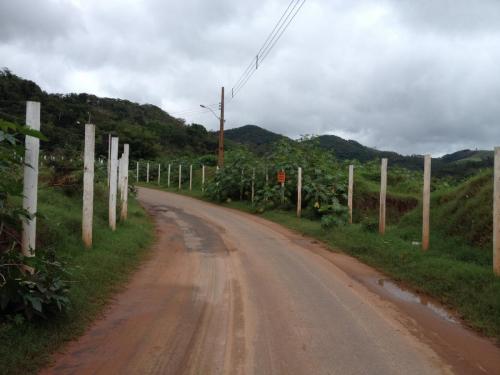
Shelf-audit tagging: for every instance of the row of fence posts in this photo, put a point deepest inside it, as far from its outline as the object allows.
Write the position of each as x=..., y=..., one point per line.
x=169, y=169
x=117, y=181
x=383, y=197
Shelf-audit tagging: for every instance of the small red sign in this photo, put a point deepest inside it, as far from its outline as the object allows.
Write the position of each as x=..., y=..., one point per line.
x=281, y=177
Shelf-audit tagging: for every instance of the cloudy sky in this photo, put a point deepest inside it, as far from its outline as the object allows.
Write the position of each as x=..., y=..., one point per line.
x=413, y=76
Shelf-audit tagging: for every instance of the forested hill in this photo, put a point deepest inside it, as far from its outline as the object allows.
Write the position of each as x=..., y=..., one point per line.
x=149, y=130
x=258, y=139
x=459, y=164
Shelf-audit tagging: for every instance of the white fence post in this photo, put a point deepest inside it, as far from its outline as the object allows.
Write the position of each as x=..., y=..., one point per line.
x=350, y=191
x=112, y=183
x=108, y=167
x=88, y=185
x=159, y=173
x=124, y=196
x=426, y=203
x=299, y=191
x=147, y=172
x=120, y=177
x=168, y=176
x=496, y=213
x=383, y=194
x=191, y=177
x=253, y=185
x=30, y=187
x=180, y=176
x=203, y=178
x=136, y=171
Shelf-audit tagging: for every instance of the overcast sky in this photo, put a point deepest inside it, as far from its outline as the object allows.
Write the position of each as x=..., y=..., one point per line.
x=414, y=76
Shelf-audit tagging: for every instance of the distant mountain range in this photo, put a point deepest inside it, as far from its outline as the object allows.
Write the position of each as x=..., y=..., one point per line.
x=458, y=164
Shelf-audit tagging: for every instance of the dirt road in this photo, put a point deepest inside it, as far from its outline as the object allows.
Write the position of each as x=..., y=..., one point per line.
x=229, y=293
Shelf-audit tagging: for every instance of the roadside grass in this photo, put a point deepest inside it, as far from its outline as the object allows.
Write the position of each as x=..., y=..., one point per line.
x=456, y=274
x=96, y=274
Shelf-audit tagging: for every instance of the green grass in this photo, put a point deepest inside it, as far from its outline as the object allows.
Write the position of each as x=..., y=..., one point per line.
x=453, y=272
x=96, y=274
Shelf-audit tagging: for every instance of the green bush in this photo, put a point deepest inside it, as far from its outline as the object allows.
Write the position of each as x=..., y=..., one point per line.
x=32, y=287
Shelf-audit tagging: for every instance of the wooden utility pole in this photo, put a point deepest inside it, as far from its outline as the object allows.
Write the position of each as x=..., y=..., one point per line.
x=383, y=194
x=426, y=203
x=88, y=185
x=350, y=191
x=496, y=213
x=221, y=131
x=30, y=187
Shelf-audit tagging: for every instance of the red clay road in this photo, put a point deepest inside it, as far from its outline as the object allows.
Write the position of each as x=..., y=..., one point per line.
x=226, y=292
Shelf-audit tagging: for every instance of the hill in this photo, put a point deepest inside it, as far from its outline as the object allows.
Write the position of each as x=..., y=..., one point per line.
x=149, y=130
x=460, y=164
x=152, y=132
x=258, y=139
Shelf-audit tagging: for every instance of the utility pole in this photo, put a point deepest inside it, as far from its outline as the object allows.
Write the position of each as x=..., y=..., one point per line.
x=221, y=131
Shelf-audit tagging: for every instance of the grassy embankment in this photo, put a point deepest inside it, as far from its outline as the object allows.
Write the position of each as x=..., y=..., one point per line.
x=95, y=274
x=457, y=269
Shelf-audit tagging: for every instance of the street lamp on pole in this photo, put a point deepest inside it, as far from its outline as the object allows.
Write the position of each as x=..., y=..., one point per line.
x=221, y=131
x=211, y=110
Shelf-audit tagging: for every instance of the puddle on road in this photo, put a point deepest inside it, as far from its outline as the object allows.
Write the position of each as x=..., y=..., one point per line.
x=408, y=296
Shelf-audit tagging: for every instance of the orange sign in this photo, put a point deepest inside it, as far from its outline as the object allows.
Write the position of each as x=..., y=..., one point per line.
x=281, y=177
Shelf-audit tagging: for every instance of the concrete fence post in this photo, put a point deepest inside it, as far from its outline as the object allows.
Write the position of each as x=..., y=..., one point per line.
x=168, y=176
x=147, y=172
x=120, y=178
x=242, y=183
x=283, y=190
x=30, y=187
x=426, y=203
x=253, y=185
x=299, y=191
x=108, y=164
x=159, y=172
x=496, y=213
x=383, y=195
x=191, y=177
x=203, y=178
x=88, y=185
x=124, y=196
x=136, y=171
x=180, y=176
x=112, y=183
x=350, y=191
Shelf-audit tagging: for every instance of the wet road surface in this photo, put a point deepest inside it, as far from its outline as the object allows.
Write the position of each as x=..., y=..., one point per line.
x=225, y=292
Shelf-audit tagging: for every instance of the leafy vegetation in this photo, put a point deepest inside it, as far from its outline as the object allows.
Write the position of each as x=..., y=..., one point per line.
x=50, y=298
x=150, y=131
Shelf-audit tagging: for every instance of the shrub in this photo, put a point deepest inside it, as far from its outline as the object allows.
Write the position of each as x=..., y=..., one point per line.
x=32, y=287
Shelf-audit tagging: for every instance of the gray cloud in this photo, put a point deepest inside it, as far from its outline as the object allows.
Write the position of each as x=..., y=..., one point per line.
x=411, y=76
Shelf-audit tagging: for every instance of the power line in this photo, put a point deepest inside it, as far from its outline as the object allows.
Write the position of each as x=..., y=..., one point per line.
x=264, y=55
x=278, y=30
x=254, y=62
